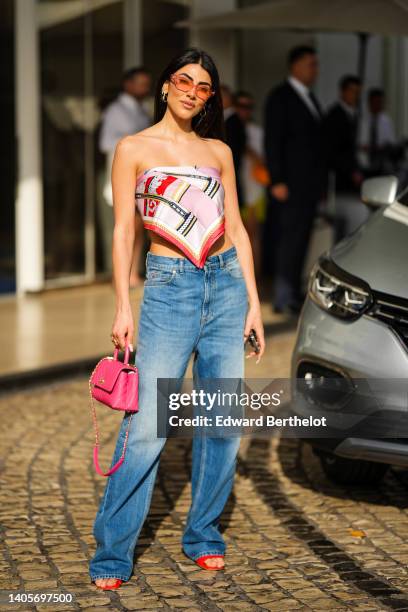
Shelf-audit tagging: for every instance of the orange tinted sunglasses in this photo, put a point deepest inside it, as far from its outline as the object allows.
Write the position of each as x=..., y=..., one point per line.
x=182, y=83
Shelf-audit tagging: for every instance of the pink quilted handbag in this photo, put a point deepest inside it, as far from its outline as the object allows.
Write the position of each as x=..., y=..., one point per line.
x=116, y=384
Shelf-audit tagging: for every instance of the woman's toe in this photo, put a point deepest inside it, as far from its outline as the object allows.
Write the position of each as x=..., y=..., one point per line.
x=215, y=562
x=102, y=582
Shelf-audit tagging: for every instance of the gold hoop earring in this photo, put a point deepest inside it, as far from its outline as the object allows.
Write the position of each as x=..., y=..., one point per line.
x=164, y=96
x=202, y=114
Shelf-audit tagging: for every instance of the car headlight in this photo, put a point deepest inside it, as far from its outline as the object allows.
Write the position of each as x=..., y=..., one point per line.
x=338, y=292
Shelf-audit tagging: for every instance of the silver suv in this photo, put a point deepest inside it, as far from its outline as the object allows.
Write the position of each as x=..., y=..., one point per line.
x=350, y=360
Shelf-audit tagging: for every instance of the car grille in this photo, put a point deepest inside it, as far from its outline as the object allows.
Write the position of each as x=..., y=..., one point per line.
x=393, y=311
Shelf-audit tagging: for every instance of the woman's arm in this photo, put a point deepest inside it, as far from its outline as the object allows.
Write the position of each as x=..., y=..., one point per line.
x=235, y=229
x=123, y=188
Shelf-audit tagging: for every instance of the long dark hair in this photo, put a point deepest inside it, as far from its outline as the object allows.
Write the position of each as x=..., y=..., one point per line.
x=211, y=125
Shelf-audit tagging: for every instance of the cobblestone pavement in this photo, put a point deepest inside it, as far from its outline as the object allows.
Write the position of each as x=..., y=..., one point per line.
x=294, y=540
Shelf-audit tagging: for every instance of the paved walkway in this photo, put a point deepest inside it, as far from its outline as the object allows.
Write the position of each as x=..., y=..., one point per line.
x=294, y=540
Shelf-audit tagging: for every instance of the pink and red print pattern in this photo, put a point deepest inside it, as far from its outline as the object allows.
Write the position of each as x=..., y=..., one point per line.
x=185, y=205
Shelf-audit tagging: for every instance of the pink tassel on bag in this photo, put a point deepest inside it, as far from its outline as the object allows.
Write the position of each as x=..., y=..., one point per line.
x=115, y=384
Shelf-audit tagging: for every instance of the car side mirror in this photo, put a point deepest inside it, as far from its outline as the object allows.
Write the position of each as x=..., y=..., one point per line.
x=379, y=190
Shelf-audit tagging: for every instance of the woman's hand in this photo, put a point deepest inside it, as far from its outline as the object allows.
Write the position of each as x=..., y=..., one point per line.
x=123, y=329
x=254, y=321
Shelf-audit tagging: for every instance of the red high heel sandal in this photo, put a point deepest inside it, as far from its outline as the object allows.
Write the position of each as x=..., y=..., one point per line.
x=110, y=587
x=201, y=561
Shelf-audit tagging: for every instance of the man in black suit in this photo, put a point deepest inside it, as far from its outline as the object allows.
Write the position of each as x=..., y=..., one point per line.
x=295, y=159
x=235, y=135
x=340, y=132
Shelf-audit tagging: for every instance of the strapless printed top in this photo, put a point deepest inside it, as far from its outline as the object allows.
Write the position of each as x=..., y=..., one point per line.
x=185, y=205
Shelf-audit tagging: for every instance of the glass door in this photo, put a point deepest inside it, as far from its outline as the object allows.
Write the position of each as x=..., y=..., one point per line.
x=107, y=63
x=81, y=56
x=62, y=61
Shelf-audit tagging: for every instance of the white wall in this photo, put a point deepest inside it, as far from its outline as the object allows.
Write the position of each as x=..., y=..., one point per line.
x=220, y=44
x=29, y=200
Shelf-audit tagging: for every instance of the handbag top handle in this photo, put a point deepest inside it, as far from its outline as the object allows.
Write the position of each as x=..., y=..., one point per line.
x=127, y=353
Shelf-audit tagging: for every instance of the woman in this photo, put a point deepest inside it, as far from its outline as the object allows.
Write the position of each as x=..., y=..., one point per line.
x=199, y=296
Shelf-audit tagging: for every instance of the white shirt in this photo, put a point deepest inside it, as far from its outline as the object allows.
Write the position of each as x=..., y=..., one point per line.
x=385, y=129
x=122, y=117
x=385, y=134
x=303, y=92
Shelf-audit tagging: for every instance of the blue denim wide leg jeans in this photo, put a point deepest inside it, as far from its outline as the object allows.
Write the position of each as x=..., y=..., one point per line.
x=184, y=310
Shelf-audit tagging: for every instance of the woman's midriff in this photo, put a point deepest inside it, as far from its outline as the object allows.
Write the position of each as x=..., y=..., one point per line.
x=161, y=246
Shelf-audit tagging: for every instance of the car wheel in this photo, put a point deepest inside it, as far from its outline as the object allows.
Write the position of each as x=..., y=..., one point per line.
x=352, y=471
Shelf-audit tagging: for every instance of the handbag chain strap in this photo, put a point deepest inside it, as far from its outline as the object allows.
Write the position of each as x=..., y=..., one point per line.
x=94, y=414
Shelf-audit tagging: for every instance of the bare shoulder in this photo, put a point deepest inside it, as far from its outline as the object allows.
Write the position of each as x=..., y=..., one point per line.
x=134, y=142
x=134, y=147
x=222, y=151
